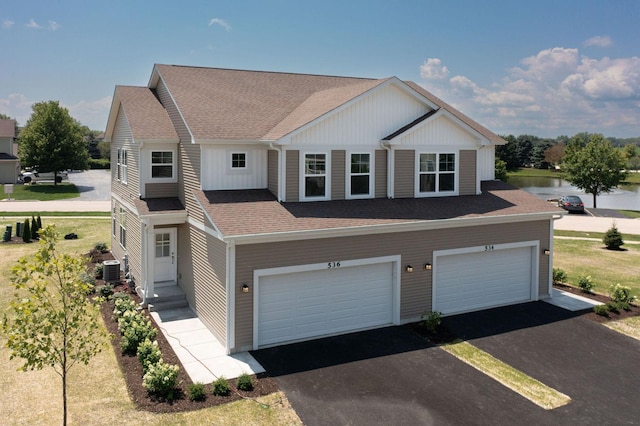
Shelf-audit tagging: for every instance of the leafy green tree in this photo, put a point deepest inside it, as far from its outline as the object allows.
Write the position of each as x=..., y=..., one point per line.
x=508, y=152
x=52, y=140
x=501, y=170
x=51, y=321
x=596, y=167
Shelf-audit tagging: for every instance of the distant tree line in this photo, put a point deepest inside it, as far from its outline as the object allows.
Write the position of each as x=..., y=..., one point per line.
x=545, y=153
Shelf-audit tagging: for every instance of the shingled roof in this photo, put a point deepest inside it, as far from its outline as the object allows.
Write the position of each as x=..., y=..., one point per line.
x=248, y=212
x=226, y=104
x=147, y=117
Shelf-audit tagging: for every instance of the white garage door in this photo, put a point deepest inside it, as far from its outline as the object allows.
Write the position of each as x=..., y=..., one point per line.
x=482, y=279
x=305, y=305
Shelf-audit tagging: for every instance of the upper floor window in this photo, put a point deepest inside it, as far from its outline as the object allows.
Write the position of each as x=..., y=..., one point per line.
x=437, y=173
x=360, y=175
x=239, y=160
x=121, y=168
x=162, y=164
x=315, y=175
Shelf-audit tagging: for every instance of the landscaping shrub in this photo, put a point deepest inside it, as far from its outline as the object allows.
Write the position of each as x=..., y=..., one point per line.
x=585, y=283
x=431, y=321
x=95, y=255
x=601, y=310
x=87, y=278
x=98, y=271
x=101, y=247
x=621, y=293
x=34, y=228
x=612, y=307
x=559, y=276
x=26, y=231
x=197, y=392
x=244, y=383
x=161, y=379
x=99, y=164
x=221, y=387
x=148, y=353
x=613, y=239
x=105, y=291
x=135, y=329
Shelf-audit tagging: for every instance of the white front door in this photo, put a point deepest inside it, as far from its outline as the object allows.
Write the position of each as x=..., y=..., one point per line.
x=165, y=255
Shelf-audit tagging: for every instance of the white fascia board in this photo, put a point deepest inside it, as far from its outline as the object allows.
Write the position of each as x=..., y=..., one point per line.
x=165, y=219
x=229, y=142
x=422, y=225
x=409, y=90
x=158, y=141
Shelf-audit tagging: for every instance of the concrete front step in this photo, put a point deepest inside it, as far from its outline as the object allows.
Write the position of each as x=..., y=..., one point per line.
x=167, y=297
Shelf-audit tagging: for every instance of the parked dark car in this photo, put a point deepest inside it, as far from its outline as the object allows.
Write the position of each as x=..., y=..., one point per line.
x=571, y=203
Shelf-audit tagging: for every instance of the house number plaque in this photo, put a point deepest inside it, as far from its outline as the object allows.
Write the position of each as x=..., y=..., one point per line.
x=488, y=248
x=333, y=265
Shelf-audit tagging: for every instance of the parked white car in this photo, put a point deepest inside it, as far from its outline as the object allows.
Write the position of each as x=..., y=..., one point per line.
x=33, y=176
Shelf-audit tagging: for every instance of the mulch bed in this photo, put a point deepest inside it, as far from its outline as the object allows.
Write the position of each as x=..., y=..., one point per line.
x=132, y=370
x=611, y=316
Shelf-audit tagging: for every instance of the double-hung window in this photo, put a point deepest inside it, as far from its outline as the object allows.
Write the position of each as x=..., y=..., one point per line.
x=162, y=164
x=123, y=227
x=315, y=176
x=121, y=168
x=437, y=173
x=360, y=175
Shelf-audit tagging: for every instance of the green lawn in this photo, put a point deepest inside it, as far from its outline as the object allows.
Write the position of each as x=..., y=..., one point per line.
x=596, y=235
x=43, y=192
x=531, y=172
x=606, y=267
x=97, y=394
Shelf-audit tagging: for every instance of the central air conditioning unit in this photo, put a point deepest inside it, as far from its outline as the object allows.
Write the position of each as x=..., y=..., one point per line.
x=111, y=271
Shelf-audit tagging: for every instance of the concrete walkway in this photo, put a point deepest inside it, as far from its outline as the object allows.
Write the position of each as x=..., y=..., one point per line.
x=570, y=301
x=202, y=356
x=14, y=206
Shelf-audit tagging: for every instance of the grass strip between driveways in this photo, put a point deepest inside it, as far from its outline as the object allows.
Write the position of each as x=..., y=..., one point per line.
x=628, y=326
x=530, y=388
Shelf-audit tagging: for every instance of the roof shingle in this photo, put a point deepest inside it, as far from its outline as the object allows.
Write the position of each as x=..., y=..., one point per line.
x=147, y=117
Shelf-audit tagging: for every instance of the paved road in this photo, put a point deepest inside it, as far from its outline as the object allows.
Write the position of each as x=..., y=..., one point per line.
x=94, y=185
x=585, y=223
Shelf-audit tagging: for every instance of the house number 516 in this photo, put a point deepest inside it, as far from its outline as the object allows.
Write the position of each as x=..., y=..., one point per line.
x=332, y=265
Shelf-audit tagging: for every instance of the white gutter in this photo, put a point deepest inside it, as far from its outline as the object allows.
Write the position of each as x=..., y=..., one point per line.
x=418, y=225
x=553, y=219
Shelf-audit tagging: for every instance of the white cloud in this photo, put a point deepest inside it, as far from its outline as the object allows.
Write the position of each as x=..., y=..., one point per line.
x=220, y=22
x=432, y=69
x=557, y=91
x=32, y=24
x=598, y=41
x=7, y=24
x=18, y=106
x=53, y=25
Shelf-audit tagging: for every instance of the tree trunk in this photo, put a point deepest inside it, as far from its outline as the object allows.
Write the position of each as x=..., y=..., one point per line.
x=64, y=397
x=595, y=206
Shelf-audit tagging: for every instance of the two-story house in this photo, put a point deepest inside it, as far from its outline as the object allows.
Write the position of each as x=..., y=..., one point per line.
x=9, y=163
x=291, y=206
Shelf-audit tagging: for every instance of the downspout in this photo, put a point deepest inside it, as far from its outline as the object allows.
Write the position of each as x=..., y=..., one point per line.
x=553, y=219
x=390, y=169
x=281, y=170
x=145, y=265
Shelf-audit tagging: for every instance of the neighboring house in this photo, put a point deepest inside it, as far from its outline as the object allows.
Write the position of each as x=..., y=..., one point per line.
x=288, y=206
x=9, y=163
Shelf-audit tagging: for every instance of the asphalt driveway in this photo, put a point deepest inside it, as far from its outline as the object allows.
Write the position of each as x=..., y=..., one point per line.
x=392, y=376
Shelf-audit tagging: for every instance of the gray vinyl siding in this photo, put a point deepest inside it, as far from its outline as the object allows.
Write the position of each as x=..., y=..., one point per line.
x=161, y=190
x=338, y=174
x=202, y=276
x=415, y=248
x=134, y=241
x=272, y=171
x=467, y=173
x=381, y=173
x=189, y=175
x=172, y=110
x=293, y=176
x=404, y=167
x=122, y=138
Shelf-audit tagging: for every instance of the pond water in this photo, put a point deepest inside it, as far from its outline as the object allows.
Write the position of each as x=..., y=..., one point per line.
x=627, y=197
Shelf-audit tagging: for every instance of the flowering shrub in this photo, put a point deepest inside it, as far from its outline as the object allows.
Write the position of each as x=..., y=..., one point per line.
x=161, y=379
x=621, y=293
x=135, y=328
x=148, y=353
x=122, y=305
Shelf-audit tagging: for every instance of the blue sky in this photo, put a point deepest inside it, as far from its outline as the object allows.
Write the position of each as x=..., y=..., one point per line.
x=546, y=68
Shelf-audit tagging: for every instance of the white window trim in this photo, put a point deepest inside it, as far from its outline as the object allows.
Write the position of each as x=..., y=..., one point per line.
x=437, y=193
x=239, y=170
x=327, y=176
x=348, y=175
x=174, y=166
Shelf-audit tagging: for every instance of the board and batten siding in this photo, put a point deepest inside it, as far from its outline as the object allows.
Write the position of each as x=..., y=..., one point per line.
x=218, y=174
x=380, y=173
x=292, y=176
x=415, y=248
x=202, y=276
x=439, y=132
x=272, y=172
x=366, y=121
x=405, y=175
x=487, y=163
x=338, y=158
x=467, y=174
